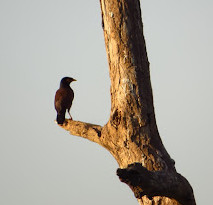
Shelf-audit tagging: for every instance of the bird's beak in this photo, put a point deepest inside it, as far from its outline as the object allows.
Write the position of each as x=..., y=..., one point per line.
x=74, y=79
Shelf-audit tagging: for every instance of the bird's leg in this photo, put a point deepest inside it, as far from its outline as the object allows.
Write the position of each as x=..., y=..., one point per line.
x=69, y=115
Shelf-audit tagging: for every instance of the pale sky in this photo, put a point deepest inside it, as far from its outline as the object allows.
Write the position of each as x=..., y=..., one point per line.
x=42, y=41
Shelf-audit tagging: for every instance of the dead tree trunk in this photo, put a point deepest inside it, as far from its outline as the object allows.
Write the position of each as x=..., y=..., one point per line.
x=131, y=134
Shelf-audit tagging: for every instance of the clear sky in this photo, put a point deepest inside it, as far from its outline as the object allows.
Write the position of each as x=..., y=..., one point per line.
x=42, y=41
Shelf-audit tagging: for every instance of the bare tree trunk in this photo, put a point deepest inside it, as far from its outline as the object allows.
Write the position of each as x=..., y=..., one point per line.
x=131, y=134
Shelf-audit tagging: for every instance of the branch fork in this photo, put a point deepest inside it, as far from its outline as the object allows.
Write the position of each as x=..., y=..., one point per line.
x=156, y=183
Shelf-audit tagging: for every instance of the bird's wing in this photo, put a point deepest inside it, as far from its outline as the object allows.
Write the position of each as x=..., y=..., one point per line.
x=63, y=99
x=59, y=98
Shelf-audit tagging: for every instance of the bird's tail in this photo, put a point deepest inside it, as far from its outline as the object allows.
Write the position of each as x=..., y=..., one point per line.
x=60, y=118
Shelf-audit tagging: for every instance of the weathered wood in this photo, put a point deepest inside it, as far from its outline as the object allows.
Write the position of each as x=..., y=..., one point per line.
x=131, y=134
x=86, y=130
x=157, y=183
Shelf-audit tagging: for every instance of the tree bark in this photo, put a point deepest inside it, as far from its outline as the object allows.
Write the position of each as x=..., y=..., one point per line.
x=131, y=134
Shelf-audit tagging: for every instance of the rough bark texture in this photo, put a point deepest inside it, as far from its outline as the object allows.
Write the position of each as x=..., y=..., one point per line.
x=131, y=134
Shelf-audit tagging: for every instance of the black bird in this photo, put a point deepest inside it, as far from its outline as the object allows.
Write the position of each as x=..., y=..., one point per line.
x=63, y=99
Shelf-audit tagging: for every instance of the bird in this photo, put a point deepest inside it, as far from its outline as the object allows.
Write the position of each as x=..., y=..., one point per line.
x=63, y=99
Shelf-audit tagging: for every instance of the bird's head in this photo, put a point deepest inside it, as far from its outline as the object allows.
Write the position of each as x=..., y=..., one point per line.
x=67, y=80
